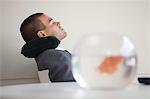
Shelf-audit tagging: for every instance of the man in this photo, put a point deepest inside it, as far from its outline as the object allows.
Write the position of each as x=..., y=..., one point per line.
x=42, y=36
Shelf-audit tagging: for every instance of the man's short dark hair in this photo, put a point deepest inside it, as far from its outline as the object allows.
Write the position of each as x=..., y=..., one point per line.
x=30, y=26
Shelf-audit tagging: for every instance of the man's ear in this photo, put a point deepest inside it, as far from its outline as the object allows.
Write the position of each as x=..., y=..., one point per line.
x=41, y=34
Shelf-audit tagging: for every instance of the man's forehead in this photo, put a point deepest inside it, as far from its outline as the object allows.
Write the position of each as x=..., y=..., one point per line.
x=44, y=17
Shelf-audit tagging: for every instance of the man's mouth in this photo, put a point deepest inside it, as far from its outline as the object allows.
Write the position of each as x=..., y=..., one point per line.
x=62, y=29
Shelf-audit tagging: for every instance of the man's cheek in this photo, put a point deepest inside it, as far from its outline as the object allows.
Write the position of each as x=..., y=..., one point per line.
x=55, y=30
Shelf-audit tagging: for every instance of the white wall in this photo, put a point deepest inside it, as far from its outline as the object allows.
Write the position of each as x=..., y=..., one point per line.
x=0, y=39
x=149, y=34
x=126, y=17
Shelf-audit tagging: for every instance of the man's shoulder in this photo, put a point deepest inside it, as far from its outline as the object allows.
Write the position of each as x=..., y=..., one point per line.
x=47, y=58
x=53, y=57
x=54, y=53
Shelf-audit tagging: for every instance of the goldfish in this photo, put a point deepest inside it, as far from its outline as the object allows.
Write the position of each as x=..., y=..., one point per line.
x=110, y=64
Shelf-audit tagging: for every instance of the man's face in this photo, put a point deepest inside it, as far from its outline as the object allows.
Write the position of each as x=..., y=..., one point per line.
x=53, y=28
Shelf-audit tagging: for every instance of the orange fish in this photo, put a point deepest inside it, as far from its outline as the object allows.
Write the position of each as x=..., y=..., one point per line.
x=110, y=64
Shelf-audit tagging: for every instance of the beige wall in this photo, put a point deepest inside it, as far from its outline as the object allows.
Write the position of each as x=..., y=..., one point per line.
x=0, y=39
x=149, y=35
x=125, y=17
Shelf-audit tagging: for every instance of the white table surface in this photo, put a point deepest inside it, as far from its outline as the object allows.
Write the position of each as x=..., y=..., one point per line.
x=72, y=91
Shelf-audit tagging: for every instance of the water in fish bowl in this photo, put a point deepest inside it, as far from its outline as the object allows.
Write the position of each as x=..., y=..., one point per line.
x=104, y=60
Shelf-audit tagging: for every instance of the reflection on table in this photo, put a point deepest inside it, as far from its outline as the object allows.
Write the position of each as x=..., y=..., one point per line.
x=73, y=91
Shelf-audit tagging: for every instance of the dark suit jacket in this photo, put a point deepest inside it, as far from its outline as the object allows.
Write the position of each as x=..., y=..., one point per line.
x=58, y=62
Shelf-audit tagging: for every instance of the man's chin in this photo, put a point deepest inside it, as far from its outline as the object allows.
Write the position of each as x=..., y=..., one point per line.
x=64, y=37
x=64, y=34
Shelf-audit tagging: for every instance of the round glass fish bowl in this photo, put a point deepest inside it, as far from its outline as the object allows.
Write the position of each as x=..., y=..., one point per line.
x=104, y=60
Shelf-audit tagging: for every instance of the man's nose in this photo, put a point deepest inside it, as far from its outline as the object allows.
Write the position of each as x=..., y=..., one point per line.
x=57, y=23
